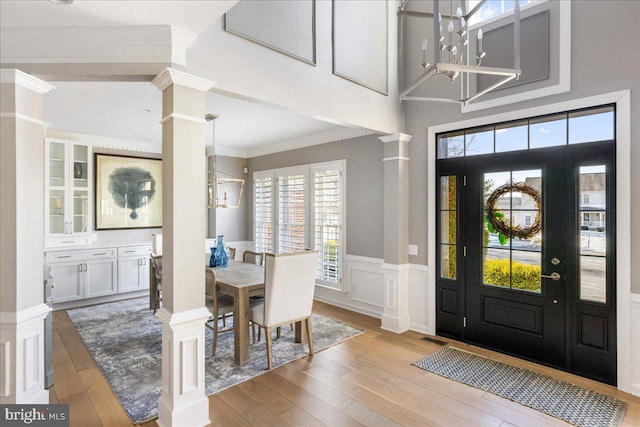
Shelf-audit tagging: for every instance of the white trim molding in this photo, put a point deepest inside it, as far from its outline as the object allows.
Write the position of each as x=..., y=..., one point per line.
x=183, y=400
x=22, y=356
x=395, y=317
x=19, y=78
x=564, y=70
x=622, y=99
x=180, y=42
x=179, y=116
x=106, y=142
x=365, y=290
x=388, y=159
x=171, y=76
x=635, y=344
x=305, y=141
x=395, y=137
x=24, y=117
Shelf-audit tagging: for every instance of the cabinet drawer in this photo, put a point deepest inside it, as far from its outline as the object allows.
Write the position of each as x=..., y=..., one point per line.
x=137, y=251
x=54, y=257
x=67, y=242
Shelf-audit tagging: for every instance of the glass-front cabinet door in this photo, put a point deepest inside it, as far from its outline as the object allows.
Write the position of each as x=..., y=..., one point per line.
x=67, y=193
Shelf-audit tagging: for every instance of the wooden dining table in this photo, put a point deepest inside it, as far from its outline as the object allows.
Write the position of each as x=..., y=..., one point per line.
x=240, y=280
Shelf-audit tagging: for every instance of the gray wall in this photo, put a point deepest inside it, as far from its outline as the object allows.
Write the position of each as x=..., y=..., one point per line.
x=364, y=187
x=231, y=222
x=605, y=58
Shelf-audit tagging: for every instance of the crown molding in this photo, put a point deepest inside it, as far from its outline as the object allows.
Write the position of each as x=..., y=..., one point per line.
x=180, y=42
x=171, y=76
x=105, y=142
x=19, y=78
x=227, y=152
x=396, y=137
x=308, y=141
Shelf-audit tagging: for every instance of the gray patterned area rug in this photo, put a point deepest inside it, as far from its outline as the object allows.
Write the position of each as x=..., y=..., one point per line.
x=125, y=341
x=568, y=402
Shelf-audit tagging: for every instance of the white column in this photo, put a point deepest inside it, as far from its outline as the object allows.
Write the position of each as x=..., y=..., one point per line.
x=395, y=317
x=183, y=313
x=22, y=310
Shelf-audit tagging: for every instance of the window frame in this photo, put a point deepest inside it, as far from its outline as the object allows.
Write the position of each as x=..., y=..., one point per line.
x=309, y=171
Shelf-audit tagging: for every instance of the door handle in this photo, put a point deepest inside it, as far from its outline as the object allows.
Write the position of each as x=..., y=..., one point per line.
x=553, y=276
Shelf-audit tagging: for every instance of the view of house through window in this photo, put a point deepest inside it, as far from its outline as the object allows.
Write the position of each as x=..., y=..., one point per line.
x=302, y=207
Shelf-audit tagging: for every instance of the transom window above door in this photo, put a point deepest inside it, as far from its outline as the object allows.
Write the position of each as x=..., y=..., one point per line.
x=574, y=127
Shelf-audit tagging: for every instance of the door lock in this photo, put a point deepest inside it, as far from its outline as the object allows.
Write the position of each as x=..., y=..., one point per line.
x=552, y=276
x=555, y=261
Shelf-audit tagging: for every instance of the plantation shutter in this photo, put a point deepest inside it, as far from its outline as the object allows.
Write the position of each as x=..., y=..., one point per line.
x=327, y=237
x=263, y=205
x=292, y=213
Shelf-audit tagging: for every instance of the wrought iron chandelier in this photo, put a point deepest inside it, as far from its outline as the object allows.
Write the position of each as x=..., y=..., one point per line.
x=223, y=191
x=451, y=54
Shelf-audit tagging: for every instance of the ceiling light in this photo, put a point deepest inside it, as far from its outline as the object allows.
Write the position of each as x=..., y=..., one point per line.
x=223, y=191
x=61, y=1
x=452, y=56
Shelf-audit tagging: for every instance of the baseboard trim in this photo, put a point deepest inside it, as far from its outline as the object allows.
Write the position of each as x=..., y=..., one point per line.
x=99, y=300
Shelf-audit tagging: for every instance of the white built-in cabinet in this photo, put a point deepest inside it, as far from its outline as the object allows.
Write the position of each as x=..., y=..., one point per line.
x=133, y=268
x=83, y=274
x=68, y=193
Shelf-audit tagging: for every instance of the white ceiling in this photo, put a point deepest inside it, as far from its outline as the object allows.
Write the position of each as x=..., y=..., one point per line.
x=189, y=15
x=132, y=111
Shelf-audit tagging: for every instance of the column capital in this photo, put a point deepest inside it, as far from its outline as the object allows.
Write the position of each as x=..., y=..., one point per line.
x=20, y=78
x=172, y=76
x=396, y=137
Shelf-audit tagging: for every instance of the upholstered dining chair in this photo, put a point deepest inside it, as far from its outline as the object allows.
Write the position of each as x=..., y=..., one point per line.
x=253, y=257
x=289, y=285
x=232, y=252
x=155, y=277
x=219, y=305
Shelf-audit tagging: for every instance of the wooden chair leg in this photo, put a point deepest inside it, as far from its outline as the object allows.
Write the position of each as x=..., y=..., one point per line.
x=309, y=334
x=278, y=332
x=215, y=332
x=267, y=338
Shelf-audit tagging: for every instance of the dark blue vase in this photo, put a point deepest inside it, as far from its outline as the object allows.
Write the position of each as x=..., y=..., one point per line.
x=212, y=260
x=220, y=254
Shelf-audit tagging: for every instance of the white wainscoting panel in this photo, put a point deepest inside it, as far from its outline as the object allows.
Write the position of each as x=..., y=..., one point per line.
x=5, y=368
x=364, y=288
x=32, y=360
x=365, y=291
x=419, y=299
x=635, y=344
x=189, y=362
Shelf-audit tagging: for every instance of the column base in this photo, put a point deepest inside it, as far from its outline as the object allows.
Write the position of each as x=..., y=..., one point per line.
x=395, y=317
x=22, y=356
x=183, y=402
x=193, y=413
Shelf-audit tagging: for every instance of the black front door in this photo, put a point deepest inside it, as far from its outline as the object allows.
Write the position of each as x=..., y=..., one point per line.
x=526, y=250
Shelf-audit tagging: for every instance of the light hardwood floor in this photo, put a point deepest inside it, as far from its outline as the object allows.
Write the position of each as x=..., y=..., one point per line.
x=368, y=380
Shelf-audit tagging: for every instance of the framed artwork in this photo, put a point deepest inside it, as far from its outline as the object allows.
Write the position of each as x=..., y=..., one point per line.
x=128, y=192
